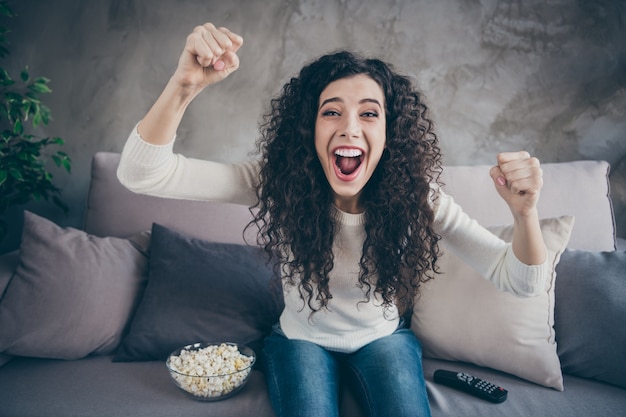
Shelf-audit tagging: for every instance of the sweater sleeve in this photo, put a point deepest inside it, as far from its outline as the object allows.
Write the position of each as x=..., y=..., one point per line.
x=489, y=255
x=158, y=171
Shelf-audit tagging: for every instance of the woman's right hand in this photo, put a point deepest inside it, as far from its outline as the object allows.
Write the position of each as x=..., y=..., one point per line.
x=210, y=55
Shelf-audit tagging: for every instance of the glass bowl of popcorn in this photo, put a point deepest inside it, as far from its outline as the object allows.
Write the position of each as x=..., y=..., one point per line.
x=211, y=371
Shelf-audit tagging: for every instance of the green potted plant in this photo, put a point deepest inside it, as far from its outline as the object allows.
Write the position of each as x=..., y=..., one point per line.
x=24, y=175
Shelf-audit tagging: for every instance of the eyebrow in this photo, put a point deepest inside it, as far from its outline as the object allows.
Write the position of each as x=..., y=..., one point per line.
x=338, y=99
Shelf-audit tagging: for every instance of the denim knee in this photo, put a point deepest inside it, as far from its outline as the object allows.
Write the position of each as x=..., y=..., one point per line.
x=388, y=376
x=302, y=377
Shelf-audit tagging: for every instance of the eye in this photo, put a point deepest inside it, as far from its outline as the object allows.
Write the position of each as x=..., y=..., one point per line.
x=330, y=113
x=369, y=114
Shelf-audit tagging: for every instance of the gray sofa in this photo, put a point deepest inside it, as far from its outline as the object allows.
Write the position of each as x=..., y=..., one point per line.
x=63, y=359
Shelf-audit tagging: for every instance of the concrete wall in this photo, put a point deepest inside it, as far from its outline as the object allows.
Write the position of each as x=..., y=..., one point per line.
x=545, y=76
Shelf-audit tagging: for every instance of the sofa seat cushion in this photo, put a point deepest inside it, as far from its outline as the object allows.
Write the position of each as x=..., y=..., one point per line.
x=95, y=386
x=581, y=398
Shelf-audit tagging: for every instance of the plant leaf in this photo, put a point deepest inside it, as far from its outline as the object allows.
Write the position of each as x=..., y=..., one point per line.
x=5, y=78
x=44, y=113
x=67, y=164
x=23, y=156
x=36, y=118
x=18, y=128
x=16, y=174
x=34, y=98
x=13, y=96
x=40, y=88
x=26, y=108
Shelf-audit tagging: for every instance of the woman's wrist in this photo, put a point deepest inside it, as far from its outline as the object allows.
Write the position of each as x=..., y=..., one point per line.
x=528, y=243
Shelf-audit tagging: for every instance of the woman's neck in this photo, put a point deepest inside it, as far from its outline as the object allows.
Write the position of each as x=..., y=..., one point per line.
x=350, y=205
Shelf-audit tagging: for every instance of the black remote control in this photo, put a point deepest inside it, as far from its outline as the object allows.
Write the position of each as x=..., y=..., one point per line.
x=472, y=385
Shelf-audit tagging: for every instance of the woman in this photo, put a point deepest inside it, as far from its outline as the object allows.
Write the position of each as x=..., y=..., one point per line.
x=349, y=205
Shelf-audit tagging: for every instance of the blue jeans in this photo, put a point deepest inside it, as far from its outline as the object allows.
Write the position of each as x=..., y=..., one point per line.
x=304, y=379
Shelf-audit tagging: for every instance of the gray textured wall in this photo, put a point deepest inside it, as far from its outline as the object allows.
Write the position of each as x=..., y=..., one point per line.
x=548, y=77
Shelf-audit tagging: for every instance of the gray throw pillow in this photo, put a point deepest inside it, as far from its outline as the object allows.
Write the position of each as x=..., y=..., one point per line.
x=590, y=315
x=201, y=291
x=72, y=293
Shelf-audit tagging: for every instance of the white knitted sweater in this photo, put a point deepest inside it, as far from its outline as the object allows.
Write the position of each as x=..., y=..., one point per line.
x=350, y=322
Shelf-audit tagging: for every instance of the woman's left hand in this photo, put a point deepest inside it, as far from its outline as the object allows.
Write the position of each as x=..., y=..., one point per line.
x=518, y=178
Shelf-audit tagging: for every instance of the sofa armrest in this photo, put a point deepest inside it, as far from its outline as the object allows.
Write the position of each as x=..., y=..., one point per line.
x=8, y=264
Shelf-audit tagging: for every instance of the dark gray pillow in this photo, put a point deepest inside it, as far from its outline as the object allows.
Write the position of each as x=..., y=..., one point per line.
x=72, y=293
x=200, y=291
x=590, y=315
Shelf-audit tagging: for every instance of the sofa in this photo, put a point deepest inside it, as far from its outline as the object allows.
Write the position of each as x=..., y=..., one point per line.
x=87, y=314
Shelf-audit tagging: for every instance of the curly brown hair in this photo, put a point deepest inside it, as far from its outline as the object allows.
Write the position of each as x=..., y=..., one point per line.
x=293, y=212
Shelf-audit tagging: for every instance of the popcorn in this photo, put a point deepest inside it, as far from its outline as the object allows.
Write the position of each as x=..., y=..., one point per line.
x=210, y=371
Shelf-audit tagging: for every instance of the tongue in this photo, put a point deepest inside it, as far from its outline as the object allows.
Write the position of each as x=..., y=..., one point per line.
x=348, y=165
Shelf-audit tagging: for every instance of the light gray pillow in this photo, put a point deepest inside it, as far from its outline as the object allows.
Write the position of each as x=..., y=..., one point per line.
x=589, y=315
x=72, y=293
x=461, y=316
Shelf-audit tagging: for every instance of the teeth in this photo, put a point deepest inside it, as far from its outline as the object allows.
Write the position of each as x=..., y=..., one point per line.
x=348, y=153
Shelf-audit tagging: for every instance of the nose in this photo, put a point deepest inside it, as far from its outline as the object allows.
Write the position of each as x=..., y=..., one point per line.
x=351, y=127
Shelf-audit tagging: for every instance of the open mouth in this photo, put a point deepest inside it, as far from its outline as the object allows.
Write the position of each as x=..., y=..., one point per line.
x=348, y=160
